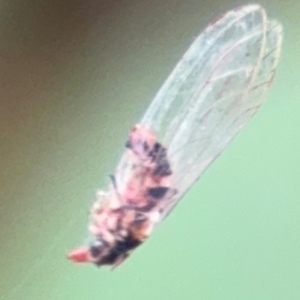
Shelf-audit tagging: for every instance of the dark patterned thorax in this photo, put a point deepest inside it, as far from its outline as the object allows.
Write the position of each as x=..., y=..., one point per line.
x=128, y=218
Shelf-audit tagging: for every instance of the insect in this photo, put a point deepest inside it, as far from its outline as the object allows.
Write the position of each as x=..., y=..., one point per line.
x=213, y=92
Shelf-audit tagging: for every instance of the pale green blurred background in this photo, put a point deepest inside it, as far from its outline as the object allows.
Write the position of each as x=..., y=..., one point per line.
x=74, y=76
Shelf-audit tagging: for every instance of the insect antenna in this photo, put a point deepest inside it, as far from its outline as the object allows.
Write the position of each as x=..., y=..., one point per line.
x=115, y=185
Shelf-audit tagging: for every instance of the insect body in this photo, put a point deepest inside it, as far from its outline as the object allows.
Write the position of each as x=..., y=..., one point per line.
x=213, y=92
x=122, y=221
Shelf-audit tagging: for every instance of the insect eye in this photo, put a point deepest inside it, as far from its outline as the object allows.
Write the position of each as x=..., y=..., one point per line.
x=96, y=248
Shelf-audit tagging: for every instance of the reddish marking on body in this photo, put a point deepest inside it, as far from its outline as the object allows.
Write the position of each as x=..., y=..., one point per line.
x=80, y=255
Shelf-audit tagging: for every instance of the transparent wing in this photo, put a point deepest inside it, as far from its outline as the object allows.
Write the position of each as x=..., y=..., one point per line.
x=214, y=91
